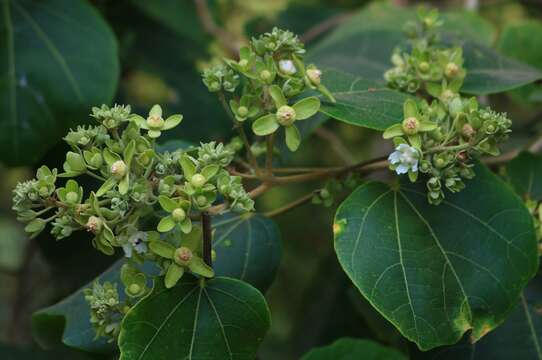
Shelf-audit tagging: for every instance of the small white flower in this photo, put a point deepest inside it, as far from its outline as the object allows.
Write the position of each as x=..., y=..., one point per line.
x=136, y=241
x=287, y=67
x=404, y=158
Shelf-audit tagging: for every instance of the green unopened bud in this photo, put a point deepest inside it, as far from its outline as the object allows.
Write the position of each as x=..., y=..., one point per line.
x=118, y=169
x=215, y=86
x=155, y=122
x=183, y=255
x=423, y=67
x=96, y=160
x=178, y=215
x=447, y=95
x=44, y=191
x=198, y=180
x=243, y=63
x=411, y=125
x=72, y=197
x=94, y=224
x=286, y=115
x=242, y=111
x=324, y=194
x=134, y=289
x=314, y=76
x=83, y=141
x=467, y=131
x=265, y=75
x=451, y=70
x=201, y=201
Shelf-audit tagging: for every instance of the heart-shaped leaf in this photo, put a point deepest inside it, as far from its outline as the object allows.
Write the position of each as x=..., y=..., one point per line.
x=437, y=271
x=221, y=318
x=50, y=78
x=348, y=348
x=361, y=102
x=247, y=248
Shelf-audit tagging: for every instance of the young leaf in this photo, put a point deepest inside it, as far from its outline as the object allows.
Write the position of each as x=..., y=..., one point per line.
x=265, y=125
x=441, y=270
x=221, y=319
x=293, y=138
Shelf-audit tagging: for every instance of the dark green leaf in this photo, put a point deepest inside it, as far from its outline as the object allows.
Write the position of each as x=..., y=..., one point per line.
x=437, y=271
x=50, y=78
x=247, y=247
x=222, y=319
x=523, y=41
x=525, y=175
x=520, y=337
x=67, y=322
x=350, y=349
x=361, y=102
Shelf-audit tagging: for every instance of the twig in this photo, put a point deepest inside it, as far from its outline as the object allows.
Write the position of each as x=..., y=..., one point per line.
x=336, y=145
x=302, y=200
x=207, y=238
x=324, y=26
x=269, y=155
x=225, y=39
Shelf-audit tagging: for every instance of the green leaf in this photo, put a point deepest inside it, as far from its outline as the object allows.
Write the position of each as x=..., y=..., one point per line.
x=173, y=275
x=265, y=125
x=520, y=337
x=248, y=247
x=172, y=121
x=293, y=138
x=162, y=248
x=523, y=41
x=277, y=95
x=42, y=99
x=306, y=107
x=167, y=204
x=349, y=349
x=525, y=174
x=222, y=319
x=437, y=271
x=166, y=224
x=106, y=186
x=361, y=102
x=68, y=321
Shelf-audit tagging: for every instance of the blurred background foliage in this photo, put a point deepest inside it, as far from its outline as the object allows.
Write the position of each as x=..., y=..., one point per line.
x=145, y=52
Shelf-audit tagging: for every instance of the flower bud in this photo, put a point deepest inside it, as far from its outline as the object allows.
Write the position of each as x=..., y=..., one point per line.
x=467, y=131
x=451, y=70
x=265, y=75
x=178, y=215
x=44, y=191
x=72, y=197
x=324, y=194
x=201, y=201
x=96, y=160
x=287, y=67
x=94, y=224
x=198, y=180
x=183, y=255
x=314, y=76
x=134, y=289
x=242, y=111
x=155, y=122
x=118, y=169
x=447, y=95
x=286, y=115
x=423, y=67
x=243, y=63
x=411, y=125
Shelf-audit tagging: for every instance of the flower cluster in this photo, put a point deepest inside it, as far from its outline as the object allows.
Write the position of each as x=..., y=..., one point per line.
x=260, y=86
x=106, y=309
x=440, y=136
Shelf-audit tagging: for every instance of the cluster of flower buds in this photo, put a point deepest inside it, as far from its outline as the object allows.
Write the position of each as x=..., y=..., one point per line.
x=270, y=72
x=106, y=309
x=132, y=182
x=333, y=188
x=439, y=137
x=428, y=66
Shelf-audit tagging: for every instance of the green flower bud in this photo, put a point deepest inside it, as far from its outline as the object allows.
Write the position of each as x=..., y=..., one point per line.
x=243, y=63
x=118, y=169
x=198, y=180
x=411, y=125
x=183, y=255
x=424, y=66
x=96, y=160
x=314, y=76
x=286, y=115
x=265, y=75
x=242, y=111
x=94, y=224
x=324, y=194
x=178, y=215
x=451, y=70
x=214, y=86
x=44, y=191
x=447, y=95
x=134, y=289
x=72, y=197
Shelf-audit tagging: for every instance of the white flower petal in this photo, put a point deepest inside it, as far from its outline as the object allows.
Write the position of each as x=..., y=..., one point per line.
x=401, y=169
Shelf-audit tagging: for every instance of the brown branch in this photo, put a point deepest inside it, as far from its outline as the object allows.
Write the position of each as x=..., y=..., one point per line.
x=226, y=40
x=207, y=238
